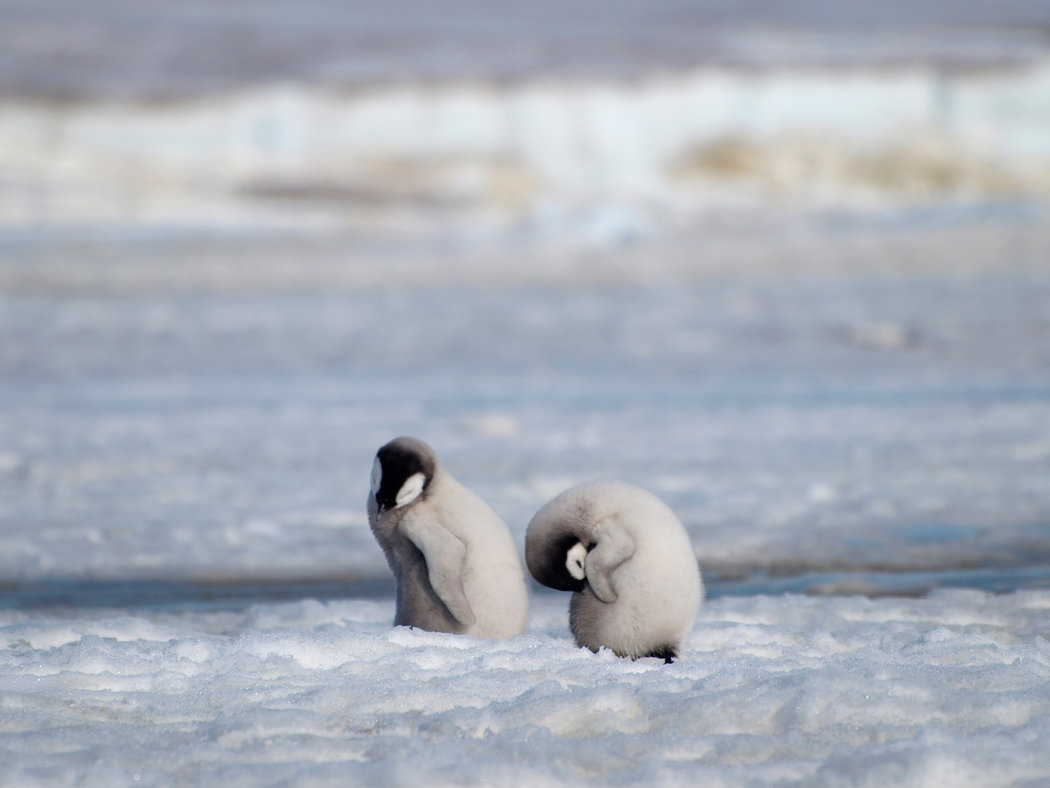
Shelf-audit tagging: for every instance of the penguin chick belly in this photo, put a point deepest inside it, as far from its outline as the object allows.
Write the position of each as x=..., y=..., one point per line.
x=657, y=601
x=596, y=624
x=630, y=627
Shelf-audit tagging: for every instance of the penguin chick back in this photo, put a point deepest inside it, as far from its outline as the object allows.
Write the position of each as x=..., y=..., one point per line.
x=641, y=589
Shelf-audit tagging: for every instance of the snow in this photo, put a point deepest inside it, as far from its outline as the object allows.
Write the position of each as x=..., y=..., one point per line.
x=790, y=279
x=614, y=159
x=849, y=422
x=199, y=47
x=194, y=595
x=951, y=689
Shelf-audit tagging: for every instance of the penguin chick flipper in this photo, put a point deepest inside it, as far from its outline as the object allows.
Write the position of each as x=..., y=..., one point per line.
x=445, y=556
x=612, y=546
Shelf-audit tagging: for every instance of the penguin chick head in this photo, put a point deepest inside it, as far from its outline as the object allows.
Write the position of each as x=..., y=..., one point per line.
x=401, y=472
x=559, y=563
x=575, y=561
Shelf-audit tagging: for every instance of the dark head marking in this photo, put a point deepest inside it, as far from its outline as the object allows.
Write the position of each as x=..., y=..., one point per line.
x=547, y=563
x=402, y=472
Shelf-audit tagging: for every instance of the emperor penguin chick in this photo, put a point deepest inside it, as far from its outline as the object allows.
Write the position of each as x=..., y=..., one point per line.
x=455, y=565
x=629, y=563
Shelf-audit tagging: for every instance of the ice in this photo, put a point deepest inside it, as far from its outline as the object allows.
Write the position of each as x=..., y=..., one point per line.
x=601, y=162
x=788, y=273
x=825, y=691
x=819, y=424
x=182, y=454
x=199, y=47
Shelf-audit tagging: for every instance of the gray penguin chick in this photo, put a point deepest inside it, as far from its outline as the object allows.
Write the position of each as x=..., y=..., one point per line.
x=455, y=565
x=629, y=563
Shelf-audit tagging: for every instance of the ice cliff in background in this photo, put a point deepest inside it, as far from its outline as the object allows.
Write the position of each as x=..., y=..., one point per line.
x=610, y=158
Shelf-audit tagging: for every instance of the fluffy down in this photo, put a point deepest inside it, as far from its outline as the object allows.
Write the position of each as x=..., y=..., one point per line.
x=641, y=589
x=455, y=565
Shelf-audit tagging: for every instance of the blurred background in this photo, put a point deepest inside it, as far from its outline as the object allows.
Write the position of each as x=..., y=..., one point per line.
x=784, y=264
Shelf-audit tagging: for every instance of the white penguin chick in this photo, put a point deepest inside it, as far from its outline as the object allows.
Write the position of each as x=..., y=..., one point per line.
x=629, y=562
x=455, y=565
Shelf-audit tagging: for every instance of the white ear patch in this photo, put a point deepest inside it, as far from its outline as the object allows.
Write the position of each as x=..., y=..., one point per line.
x=377, y=476
x=574, y=561
x=410, y=490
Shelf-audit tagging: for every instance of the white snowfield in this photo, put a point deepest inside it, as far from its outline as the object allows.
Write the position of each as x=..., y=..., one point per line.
x=844, y=431
x=952, y=690
x=797, y=288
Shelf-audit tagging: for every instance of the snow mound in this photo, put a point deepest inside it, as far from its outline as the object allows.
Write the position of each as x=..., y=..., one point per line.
x=951, y=689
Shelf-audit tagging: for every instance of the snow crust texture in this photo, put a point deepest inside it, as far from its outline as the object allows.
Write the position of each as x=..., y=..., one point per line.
x=948, y=690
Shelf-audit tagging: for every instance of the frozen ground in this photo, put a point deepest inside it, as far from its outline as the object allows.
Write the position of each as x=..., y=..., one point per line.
x=949, y=690
x=159, y=48
x=193, y=596
x=788, y=273
x=164, y=418
x=606, y=123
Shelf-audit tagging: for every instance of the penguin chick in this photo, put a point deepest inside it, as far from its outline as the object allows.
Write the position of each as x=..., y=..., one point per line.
x=629, y=563
x=455, y=565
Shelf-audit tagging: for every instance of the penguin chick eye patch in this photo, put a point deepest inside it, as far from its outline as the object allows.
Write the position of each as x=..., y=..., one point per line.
x=377, y=476
x=410, y=490
x=574, y=561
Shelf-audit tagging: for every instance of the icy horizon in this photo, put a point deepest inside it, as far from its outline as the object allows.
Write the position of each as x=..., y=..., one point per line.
x=156, y=49
x=832, y=419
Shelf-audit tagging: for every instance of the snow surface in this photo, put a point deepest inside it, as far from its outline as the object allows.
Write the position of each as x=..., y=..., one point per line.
x=823, y=422
x=620, y=159
x=62, y=49
x=179, y=456
x=949, y=690
x=791, y=276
